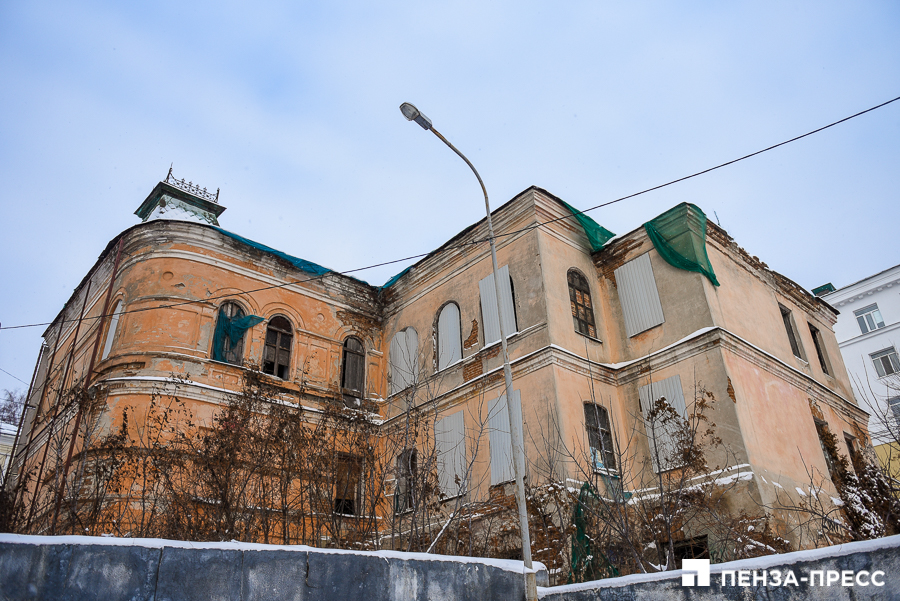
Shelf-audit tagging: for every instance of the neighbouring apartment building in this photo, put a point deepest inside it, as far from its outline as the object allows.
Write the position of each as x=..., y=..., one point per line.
x=600, y=327
x=868, y=333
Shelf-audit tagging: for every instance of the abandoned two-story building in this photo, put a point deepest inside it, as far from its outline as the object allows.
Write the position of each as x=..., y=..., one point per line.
x=600, y=327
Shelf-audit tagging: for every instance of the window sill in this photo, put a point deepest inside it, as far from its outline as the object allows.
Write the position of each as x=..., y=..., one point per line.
x=444, y=499
x=234, y=365
x=597, y=340
x=602, y=471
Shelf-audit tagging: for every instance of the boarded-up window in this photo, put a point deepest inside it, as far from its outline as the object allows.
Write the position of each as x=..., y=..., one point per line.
x=596, y=422
x=277, y=352
x=662, y=432
x=353, y=368
x=404, y=359
x=489, y=313
x=348, y=485
x=580, y=302
x=404, y=495
x=638, y=295
x=500, y=439
x=111, y=332
x=450, y=446
x=449, y=339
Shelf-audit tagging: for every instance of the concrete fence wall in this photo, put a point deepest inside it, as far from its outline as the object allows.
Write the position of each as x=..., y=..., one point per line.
x=75, y=568
x=819, y=574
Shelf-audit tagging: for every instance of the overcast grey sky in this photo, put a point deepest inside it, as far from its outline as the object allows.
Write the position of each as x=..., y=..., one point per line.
x=292, y=110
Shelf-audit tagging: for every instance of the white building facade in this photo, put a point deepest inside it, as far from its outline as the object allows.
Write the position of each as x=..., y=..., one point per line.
x=868, y=333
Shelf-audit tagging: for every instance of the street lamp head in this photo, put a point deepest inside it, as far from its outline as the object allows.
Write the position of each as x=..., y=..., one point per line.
x=412, y=114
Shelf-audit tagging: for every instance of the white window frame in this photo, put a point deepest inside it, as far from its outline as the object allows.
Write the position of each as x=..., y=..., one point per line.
x=893, y=362
x=869, y=318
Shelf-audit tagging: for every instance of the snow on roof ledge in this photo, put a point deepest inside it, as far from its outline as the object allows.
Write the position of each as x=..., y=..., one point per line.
x=508, y=565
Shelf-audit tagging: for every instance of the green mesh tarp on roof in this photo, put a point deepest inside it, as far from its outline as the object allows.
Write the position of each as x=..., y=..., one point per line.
x=302, y=264
x=394, y=279
x=230, y=331
x=597, y=235
x=679, y=236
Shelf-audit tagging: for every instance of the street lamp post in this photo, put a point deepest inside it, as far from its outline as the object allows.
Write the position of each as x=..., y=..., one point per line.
x=515, y=419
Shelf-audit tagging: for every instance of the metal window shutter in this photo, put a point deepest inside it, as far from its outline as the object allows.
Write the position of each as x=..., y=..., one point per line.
x=670, y=388
x=638, y=295
x=450, y=443
x=489, y=306
x=506, y=299
x=412, y=356
x=111, y=334
x=489, y=310
x=398, y=375
x=500, y=440
x=449, y=349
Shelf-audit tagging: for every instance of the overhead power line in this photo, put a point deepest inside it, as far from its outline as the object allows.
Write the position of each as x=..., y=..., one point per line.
x=479, y=241
x=14, y=377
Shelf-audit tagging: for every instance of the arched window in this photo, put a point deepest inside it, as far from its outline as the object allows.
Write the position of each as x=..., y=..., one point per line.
x=277, y=352
x=404, y=495
x=111, y=332
x=449, y=339
x=582, y=308
x=228, y=340
x=404, y=359
x=353, y=369
x=596, y=421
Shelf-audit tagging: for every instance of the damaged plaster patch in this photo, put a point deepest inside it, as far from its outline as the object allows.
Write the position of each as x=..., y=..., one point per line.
x=472, y=340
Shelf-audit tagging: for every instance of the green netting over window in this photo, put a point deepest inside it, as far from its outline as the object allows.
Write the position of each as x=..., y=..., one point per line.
x=679, y=236
x=230, y=331
x=588, y=561
x=597, y=234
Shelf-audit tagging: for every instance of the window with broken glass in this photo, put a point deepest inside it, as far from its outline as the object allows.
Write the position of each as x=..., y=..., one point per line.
x=348, y=485
x=820, y=349
x=406, y=474
x=596, y=421
x=793, y=338
x=277, y=351
x=822, y=431
x=232, y=350
x=580, y=301
x=353, y=370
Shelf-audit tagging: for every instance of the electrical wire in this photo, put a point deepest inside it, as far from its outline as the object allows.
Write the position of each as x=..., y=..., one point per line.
x=482, y=240
x=12, y=376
